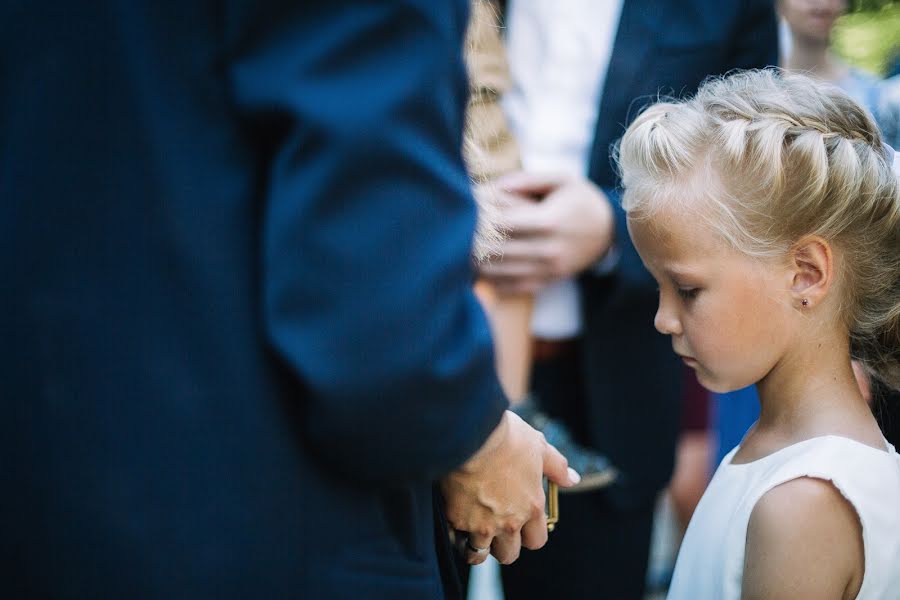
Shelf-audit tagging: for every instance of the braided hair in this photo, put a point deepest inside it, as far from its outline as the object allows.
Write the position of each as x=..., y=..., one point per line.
x=766, y=158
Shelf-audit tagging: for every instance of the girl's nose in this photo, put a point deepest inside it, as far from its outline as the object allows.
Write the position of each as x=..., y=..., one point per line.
x=666, y=321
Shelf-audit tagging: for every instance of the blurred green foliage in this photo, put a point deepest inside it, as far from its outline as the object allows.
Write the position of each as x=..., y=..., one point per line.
x=869, y=5
x=868, y=36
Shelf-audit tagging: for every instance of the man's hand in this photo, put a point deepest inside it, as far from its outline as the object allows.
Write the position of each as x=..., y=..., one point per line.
x=498, y=497
x=557, y=226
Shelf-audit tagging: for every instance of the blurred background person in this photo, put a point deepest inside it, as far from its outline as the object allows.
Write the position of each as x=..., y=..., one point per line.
x=491, y=152
x=580, y=69
x=807, y=48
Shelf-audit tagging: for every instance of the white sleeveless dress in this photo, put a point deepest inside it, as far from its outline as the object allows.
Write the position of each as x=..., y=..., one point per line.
x=710, y=563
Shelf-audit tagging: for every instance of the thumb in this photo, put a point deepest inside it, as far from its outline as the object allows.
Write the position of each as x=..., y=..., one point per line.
x=530, y=184
x=556, y=468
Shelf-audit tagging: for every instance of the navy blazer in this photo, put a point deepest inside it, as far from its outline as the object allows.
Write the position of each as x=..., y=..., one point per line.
x=239, y=341
x=633, y=378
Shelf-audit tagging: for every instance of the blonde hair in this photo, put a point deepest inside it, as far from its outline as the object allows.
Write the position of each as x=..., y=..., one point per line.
x=766, y=158
x=488, y=147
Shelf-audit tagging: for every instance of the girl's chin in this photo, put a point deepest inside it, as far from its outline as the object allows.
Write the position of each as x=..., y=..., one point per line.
x=715, y=385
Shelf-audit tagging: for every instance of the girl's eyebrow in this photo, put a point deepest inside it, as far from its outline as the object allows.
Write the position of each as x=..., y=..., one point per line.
x=675, y=271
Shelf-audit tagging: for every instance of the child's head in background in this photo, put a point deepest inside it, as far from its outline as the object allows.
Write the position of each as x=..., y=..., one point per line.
x=767, y=210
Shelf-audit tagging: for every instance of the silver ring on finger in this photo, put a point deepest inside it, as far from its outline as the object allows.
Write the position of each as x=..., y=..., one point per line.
x=476, y=550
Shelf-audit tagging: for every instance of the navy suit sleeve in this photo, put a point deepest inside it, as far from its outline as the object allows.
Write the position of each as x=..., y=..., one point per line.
x=630, y=270
x=366, y=229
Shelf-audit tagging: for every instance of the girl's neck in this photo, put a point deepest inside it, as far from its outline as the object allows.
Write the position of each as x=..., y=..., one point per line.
x=812, y=392
x=813, y=57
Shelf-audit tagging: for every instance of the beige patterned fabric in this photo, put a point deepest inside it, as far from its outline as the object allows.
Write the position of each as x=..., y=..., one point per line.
x=490, y=149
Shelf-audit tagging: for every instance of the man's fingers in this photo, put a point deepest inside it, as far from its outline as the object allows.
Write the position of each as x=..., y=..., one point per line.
x=506, y=547
x=530, y=184
x=517, y=286
x=534, y=534
x=478, y=547
x=535, y=250
x=526, y=220
x=507, y=199
x=522, y=269
x=556, y=468
x=521, y=259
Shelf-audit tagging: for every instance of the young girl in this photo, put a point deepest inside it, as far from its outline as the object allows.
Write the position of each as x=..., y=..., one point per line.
x=767, y=210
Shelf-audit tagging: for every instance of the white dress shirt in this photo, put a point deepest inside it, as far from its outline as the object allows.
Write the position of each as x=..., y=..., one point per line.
x=558, y=52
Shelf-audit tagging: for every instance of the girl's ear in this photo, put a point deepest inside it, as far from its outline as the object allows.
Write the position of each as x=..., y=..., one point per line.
x=812, y=270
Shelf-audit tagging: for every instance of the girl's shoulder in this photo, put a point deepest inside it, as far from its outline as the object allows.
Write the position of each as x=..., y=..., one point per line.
x=791, y=533
x=812, y=493
x=759, y=514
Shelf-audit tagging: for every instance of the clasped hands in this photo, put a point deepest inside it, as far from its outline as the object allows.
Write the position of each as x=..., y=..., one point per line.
x=557, y=226
x=498, y=496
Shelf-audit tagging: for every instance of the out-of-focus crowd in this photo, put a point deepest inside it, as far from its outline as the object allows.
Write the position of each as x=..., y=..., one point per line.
x=553, y=85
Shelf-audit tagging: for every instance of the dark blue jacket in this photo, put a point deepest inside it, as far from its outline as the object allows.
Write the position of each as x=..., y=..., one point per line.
x=632, y=376
x=238, y=340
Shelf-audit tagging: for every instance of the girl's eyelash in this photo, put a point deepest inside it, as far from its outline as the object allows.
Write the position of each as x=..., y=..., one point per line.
x=688, y=293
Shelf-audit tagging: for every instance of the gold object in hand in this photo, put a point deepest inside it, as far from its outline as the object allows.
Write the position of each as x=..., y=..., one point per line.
x=552, y=505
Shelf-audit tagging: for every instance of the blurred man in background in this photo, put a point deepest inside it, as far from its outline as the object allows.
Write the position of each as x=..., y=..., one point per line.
x=581, y=70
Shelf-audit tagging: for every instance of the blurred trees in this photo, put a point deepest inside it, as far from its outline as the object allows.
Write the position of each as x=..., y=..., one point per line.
x=868, y=36
x=869, y=5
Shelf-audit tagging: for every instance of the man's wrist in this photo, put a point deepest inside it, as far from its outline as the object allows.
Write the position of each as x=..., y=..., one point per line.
x=495, y=440
x=609, y=259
